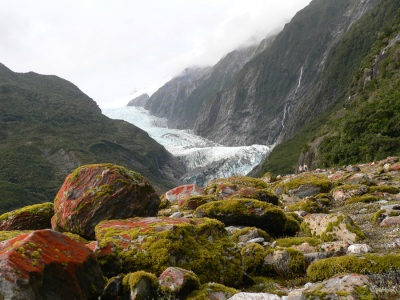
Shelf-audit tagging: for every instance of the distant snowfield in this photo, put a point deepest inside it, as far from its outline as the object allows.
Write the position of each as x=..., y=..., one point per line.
x=204, y=159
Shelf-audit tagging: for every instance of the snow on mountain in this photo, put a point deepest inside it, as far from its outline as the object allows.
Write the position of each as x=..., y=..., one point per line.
x=204, y=159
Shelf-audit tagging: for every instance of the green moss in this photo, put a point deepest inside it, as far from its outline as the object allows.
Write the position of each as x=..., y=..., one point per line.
x=243, y=181
x=207, y=289
x=368, y=264
x=265, y=285
x=130, y=281
x=306, y=230
x=384, y=189
x=306, y=205
x=376, y=216
x=292, y=267
x=244, y=231
x=246, y=212
x=200, y=245
x=295, y=241
x=192, y=202
x=364, y=293
x=44, y=209
x=320, y=181
x=7, y=235
x=292, y=226
x=252, y=258
x=363, y=199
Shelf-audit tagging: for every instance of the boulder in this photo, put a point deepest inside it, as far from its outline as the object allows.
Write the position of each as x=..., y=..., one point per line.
x=193, y=202
x=359, y=178
x=245, y=212
x=113, y=289
x=99, y=192
x=287, y=263
x=304, y=185
x=349, y=285
x=182, y=192
x=254, y=296
x=332, y=227
x=154, y=244
x=342, y=193
x=31, y=217
x=214, y=291
x=140, y=285
x=178, y=281
x=46, y=264
x=359, y=249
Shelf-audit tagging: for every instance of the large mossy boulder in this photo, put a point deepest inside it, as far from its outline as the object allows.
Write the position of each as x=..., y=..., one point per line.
x=245, y=212
x=369, y=264
x=154, y=244
x=31, y=217
x=304, y=185
x=94, y=193
x=46, y=264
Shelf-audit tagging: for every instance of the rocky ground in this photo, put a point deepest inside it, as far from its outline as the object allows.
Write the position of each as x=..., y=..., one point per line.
x=325, y=234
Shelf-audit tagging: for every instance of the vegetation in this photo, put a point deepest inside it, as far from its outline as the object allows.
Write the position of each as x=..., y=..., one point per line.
x=60, y=128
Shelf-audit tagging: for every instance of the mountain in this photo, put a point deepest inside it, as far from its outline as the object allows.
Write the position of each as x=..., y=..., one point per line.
x=139, y=101
x=285, y=94
x=48, y=127
x=180, y=99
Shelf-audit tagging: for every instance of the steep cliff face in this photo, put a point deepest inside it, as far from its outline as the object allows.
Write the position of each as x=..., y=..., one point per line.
x=139, y=101
x=180, y=99
x=277, y=91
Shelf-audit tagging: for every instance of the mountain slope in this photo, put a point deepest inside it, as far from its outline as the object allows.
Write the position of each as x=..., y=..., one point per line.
x=181, y=98
x=263, y=103
x=48, y=127
x=346, y=64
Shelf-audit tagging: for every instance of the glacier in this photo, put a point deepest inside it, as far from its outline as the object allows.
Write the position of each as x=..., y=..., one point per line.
x=204, y=159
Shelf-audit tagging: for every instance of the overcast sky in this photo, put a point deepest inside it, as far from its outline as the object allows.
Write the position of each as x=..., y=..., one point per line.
x=109, y=48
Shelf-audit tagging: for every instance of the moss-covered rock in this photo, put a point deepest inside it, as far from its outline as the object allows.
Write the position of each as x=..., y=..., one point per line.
x=257, y=194
x=296, y=241
x=31, y=217
x=332, y=227
x=292, y=226
x=139, y=285
x=154, y=244
x=245, y=212
x=285, y=263
x=6, y=235
x=368, y=264
x=343, y=192
x=249, y=233
x=193, y=202
x=346, y=286
x=367, y=198
x=253, y=258
x=212, y=290
x=306, y=205
x=304, y=185
x=99, y=192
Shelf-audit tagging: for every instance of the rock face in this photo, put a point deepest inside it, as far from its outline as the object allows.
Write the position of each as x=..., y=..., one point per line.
x=94, y=193
x=153, y=244
x=46, y=264
x=139, y=101
x=28, y=218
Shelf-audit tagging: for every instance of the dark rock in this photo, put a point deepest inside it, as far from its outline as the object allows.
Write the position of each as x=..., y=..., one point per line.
x=113, y=289
x=139, y=101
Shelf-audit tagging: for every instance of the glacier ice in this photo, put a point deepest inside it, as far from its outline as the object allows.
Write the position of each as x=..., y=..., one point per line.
x=204, y=159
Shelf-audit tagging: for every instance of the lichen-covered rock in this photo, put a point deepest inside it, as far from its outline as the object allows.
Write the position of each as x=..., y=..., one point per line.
x=341, y=193
x=139, y=285
x=182, y=192
x=99, y=192
x=304, y=185
x=359, y=249
x=46, y=264
x=247, y=234
x=390, y=221
x=347, y=286
x=154, y=244
x=31, y=217
x=245, y=212
x=178, y=281
x=214, y=291
x=332, y=227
